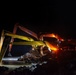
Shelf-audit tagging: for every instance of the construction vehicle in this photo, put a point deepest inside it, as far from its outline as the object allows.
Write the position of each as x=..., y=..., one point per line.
x=34, y=35
x=6, y=37
x=54, y=46
x=58, y=40
x=35, y=40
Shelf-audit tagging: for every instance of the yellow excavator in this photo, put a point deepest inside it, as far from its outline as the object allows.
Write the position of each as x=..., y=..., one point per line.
x=53, y=46
x=7, y=39
x=33, y=34
x=37, y=37
x=6, y=42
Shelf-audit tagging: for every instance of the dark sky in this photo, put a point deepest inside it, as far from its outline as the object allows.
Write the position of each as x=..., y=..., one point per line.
x=40, y=16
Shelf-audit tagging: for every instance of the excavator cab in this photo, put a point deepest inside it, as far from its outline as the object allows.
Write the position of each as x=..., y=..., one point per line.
x=7, y=40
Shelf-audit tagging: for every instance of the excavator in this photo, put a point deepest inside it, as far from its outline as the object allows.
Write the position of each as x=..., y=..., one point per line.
x=6, y=42
x=34, y=35
x=53, y=46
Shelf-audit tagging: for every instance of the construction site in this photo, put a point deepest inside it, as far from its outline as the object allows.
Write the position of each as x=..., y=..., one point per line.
x=24, y=52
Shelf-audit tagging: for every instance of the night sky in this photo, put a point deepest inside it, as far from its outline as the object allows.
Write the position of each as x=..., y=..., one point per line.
x=40, y=16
